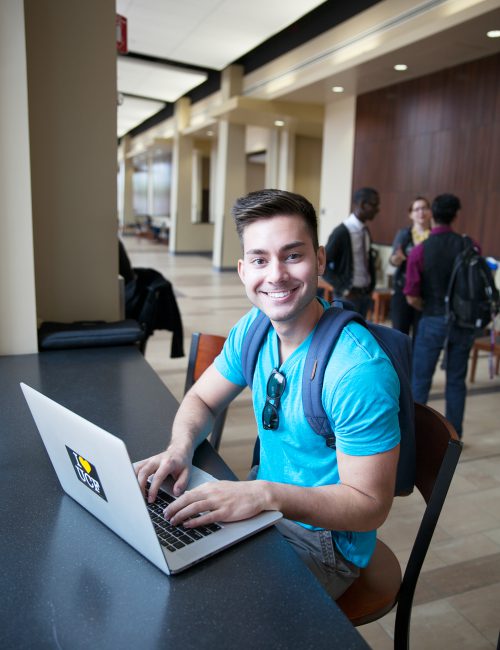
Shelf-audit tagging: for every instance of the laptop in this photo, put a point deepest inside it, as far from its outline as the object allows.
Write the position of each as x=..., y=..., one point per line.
x=94, y=468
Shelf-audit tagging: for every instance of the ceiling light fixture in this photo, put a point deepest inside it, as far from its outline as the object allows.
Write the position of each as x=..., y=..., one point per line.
x=279, y=123
x=338, y=89
x=493, y=33
x=400, y=67
x=210, y=133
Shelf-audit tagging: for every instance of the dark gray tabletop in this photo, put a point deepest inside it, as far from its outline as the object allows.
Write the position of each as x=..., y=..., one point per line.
x=69, y=582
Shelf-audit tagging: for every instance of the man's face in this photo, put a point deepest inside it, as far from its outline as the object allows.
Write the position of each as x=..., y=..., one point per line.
x=280, y=267
x=370, y=208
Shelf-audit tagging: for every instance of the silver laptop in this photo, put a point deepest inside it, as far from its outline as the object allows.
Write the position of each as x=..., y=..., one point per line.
x=94, y=468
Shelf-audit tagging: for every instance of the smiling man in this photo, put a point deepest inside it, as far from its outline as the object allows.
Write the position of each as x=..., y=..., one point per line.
x=332, y=499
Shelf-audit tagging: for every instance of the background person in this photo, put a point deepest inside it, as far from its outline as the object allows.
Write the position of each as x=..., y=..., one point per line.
x=405, y=317
x=427, y=277
x=350, y=260
x=332, y=499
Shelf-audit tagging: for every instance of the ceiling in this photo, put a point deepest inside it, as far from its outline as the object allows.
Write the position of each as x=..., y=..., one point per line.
x=204, y=34
x=175, y=45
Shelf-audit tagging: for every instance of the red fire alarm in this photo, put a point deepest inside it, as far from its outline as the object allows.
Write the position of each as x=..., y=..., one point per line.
x=121, y=34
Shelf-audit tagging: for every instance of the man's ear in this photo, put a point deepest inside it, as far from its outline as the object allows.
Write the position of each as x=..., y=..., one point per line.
x=241, y=270
x=321, y=259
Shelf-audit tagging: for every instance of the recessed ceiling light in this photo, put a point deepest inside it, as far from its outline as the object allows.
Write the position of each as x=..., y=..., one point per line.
x=210, y=133
x=400, y=67
x=338, y=89
x=493, y=33
x=279, y=123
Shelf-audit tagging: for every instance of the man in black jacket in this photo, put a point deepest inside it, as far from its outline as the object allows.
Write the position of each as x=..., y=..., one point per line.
x=350, y=259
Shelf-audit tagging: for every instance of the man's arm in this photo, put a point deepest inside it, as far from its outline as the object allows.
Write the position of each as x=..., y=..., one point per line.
x=192, y=423
x=413, y=283
x=360, y=502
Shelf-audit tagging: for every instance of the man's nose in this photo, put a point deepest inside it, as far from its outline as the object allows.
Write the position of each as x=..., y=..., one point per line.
x=277, y=271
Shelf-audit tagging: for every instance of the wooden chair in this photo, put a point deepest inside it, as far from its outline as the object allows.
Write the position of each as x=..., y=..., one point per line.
x=204, y=349
x=484, y=344
x=381, y=304
x=380, y=586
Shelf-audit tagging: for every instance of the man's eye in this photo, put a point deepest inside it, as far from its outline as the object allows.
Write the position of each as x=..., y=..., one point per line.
x=258, y=261
x=294, y=257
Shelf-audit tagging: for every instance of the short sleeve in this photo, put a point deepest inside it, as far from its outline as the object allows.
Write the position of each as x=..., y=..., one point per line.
x=228, y=362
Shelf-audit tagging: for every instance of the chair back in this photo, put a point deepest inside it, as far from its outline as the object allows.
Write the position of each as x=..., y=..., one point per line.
x=438, y=450
x=379, y=586
x=204, y=348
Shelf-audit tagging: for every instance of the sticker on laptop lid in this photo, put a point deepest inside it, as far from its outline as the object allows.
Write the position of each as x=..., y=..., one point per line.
x=86, y=473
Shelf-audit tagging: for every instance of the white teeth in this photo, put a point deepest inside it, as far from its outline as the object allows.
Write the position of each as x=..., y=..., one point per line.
x=278, y=294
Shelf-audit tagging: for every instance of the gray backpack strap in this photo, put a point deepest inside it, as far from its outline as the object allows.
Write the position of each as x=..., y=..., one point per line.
x=252, y=344
x=325, y=337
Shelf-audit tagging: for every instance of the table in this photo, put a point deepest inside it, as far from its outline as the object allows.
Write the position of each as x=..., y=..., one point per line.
x=69, y=582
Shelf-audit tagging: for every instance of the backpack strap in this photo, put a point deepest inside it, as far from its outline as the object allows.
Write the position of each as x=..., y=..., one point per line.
x=325, y=337
x=251, y=345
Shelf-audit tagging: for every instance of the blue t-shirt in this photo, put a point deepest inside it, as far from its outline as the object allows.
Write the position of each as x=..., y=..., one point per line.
x=360, y=396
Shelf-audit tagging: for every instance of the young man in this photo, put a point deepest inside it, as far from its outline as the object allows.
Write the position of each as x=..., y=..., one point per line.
x=350, y=261
x=332, y=500
x=428, y=274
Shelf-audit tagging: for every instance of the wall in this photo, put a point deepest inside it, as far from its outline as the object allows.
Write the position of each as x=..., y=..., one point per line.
x=307, y=172
x=439, y=133
x=71, y=64
x=17, y=280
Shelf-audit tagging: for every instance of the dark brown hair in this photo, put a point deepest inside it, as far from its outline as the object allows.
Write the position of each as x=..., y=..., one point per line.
x=264, y=204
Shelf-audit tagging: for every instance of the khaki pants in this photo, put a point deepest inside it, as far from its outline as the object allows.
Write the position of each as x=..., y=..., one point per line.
x=317, y=550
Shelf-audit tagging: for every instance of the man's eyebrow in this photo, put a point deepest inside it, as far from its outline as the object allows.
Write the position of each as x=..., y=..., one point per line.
x=286, y=247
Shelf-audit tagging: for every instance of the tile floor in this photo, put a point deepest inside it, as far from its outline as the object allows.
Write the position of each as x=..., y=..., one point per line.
x=457, y=604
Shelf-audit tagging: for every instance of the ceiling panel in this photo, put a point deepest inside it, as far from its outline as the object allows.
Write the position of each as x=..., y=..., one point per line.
x=207, y=33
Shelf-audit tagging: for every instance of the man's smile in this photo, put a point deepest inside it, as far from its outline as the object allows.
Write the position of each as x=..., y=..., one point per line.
x=276, y=295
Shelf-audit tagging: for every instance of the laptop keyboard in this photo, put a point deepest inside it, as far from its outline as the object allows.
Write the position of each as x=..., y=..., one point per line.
x=175, y=537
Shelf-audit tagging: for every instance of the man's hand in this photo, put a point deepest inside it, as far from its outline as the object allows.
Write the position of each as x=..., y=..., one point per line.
x=398, y=257
x=175, y=462
x=218, y=501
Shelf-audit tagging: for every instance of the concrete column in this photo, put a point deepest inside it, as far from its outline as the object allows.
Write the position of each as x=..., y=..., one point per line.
x=128, y=185
x=71, y=70
x=18, y=333
x=272, y=159
x=337, y=164
x=125, y=186
x=230, y=176
x=280, y=159
x=185, y=236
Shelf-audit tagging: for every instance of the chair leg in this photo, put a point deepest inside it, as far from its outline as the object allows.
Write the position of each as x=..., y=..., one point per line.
x=472, y=377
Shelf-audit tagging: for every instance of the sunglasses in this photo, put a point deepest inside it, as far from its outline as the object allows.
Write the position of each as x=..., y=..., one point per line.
x=274, y=391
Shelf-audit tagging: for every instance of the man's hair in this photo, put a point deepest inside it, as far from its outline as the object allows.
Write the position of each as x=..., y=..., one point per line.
x=445, y=207
x=364, y=194
x=264, y=204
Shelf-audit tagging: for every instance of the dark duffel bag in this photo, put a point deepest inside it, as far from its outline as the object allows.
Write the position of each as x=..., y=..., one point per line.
x=89, y=334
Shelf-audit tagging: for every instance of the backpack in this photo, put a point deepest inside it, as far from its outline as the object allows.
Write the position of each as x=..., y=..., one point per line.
x=471, y=299
x=394, y=343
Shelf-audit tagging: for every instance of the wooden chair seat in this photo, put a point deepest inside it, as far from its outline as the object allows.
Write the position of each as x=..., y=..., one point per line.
x=376, y=590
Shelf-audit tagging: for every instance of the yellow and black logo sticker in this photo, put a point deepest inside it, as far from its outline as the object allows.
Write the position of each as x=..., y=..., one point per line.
x=86, y=473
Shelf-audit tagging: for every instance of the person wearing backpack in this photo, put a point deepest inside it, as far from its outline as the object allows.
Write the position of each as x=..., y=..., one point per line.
x=333, y=498
x=428, y=273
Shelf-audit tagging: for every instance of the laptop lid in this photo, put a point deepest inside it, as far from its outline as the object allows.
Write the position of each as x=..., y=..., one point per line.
x=94, y=468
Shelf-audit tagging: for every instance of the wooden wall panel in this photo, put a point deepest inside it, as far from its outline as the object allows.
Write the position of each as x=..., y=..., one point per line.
x=435, y=134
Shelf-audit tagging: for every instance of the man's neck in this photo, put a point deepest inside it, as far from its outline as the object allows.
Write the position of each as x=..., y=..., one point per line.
x=292, y=332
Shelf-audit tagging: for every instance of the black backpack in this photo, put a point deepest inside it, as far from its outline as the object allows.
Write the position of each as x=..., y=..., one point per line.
x=471, y=300
x=395, y=344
